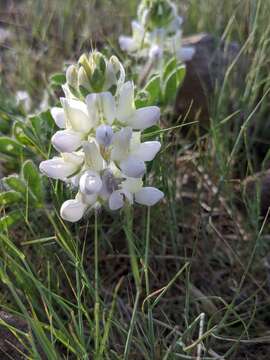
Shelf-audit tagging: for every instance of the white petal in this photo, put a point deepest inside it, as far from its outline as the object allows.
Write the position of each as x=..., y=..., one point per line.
x=59, y=117
x=104, y=135
x=144, y=118
x=89, y=199
x=72, y=210
x=58, y=168
x=132, y=185
x=138, y=32
x=67, y=92
x=155, y=52
x=77, y=115
x=93, y=158
x=147, y=150
x=133, y=167
x=148, y=196
x=121, y=143
x=127, y=43
x=118, y=198
x=186, y=53
x=108, y=107
x=90, y=183
x=66, y=140
x=92, y=107
x=126, y=107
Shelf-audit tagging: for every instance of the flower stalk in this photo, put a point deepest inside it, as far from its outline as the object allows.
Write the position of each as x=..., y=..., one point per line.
x=97, y=299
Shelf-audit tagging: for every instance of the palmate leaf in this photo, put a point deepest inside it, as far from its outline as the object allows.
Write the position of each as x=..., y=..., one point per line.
x=11, y=219
x=15, y=183
x=169, y=67
x=153, y=87
x=33, y=179
x=172, y=83
x=10, y=146
x=57, y=79
x=10, y=197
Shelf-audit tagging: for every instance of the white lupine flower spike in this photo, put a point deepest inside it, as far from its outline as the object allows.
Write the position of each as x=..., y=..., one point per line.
x=157, y=31
x=99, y=141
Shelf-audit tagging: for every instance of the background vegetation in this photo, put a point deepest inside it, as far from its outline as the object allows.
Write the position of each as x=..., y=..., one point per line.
x=208, y=295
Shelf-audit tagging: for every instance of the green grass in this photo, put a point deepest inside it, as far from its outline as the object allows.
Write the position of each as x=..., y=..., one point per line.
x=190, y=280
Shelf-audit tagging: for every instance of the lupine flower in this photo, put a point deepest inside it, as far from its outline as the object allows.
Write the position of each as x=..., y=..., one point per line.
x=157, y=31
x=101, y=153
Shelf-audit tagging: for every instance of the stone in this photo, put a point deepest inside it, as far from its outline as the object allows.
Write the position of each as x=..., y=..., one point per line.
x=206, y=68
x=259, y=182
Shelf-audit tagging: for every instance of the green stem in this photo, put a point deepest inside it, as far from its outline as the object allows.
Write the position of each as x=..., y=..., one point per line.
x=97, y=304
x=131, y=247
x=146, y=274
x=131, y=326
x=136, y=275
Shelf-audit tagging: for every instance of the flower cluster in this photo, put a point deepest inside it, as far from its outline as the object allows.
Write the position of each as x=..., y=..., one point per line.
x=101, y=153
x=157, y=30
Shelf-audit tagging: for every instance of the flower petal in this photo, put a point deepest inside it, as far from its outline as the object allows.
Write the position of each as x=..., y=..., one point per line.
x=77, y=115
x=133, y=167
x=138, y=32
x=118, y=198
x=155, y=52
x=144, y=118
x=72, y=210
x=127, y=43
x=132, y=185
x=92, y=107
x=90, y=183
x=104, y=135
x=121, y=143
x=186, y=53
x=126, y=107
x=93, y=158
x=66, y=140
x=147, y=150
x=59, y=117
x=148, y=196
x=58, y=168
x=108, y=107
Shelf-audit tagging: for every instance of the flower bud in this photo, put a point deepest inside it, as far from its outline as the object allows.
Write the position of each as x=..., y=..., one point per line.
x=82, y=78
x=72, y=76
x=84, y=62
x=104, y=135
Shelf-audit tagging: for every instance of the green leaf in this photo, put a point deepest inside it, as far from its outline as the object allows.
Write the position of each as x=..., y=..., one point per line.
x=153, y=89
x=9, y=197
x=10, y=146
x=169, y=67
x=21, y=135
x=58, y=79
x=142, y=99
x=173, y=82
x=10, y=220
x=33, y=179
x=15, y=183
